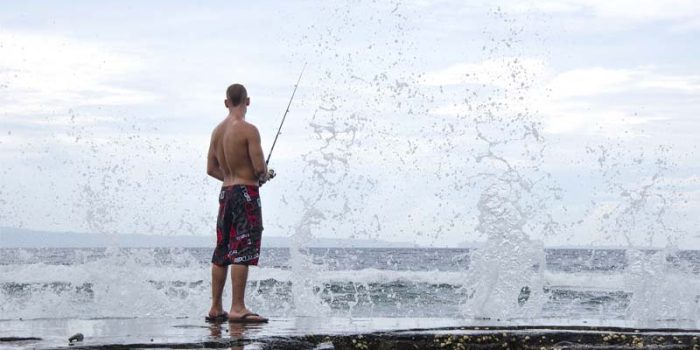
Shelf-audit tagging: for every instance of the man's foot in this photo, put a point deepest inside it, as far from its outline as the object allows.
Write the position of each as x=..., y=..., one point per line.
x=246, y=316
x=217, y=317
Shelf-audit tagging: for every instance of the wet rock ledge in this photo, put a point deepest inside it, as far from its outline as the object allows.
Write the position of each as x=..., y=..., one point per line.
x=455, y=338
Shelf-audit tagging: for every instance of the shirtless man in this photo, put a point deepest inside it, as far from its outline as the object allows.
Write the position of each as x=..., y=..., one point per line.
x=236, y=158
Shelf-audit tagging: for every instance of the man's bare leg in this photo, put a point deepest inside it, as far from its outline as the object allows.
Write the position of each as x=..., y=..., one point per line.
x=239, y=278
x=218, y=281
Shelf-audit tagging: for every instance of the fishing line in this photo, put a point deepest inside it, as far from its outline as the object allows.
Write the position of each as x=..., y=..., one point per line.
x=285, y=115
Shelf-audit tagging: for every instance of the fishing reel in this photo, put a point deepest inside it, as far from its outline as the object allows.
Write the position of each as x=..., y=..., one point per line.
x=267, y=177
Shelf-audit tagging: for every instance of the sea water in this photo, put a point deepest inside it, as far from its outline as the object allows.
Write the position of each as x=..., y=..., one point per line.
x=584, y=284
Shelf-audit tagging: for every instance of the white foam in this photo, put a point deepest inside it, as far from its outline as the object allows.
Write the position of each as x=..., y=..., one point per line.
x=585, y=281
x=134, y=284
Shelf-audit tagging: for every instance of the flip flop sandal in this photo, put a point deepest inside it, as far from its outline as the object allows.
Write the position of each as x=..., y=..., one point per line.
x=245, y=319
x=217, y=319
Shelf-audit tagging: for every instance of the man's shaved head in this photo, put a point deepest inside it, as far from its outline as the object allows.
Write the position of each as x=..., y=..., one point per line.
x=236, y=94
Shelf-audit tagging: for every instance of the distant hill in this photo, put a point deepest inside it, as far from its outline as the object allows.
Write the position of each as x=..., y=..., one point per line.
x=23, y=238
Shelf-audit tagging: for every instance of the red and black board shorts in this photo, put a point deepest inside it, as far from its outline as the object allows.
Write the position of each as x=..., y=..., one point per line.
x=239, y=226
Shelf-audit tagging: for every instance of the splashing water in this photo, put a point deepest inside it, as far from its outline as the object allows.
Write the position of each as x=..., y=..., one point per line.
x=660, y=291
x=506, y=276
x=305, y=286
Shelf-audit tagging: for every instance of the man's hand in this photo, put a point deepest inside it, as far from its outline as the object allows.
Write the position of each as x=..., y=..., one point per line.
x=267, y=177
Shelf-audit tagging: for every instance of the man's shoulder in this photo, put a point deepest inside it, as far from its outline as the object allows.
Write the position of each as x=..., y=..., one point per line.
x=218, y=128
x=248, y=126
x=235, y=124
x=239, y=129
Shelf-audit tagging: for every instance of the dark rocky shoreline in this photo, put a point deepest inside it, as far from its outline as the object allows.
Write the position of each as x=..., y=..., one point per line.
x=437, y=338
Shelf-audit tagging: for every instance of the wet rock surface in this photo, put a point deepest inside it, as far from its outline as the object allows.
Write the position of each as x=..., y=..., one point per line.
x=17, y=339
x=444, y=338
x=325, y=333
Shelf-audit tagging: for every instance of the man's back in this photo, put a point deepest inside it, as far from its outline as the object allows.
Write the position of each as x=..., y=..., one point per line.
x=237, y=151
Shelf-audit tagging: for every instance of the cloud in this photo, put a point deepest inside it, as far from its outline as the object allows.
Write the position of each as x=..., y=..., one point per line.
x=588, y=82
x=686, y=26
x=576, y=99
x=598, y=81
x=633, y=10
x=489, y=72
x=590, y=119
x=44, y=73
x=585, y=101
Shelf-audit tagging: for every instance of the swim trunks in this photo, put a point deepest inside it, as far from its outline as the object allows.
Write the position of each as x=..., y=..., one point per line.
x=239, y=226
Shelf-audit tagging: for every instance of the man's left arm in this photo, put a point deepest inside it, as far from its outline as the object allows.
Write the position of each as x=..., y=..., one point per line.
x=213, y=166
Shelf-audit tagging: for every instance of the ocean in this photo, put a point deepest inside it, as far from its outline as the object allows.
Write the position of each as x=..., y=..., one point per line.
x=573, y=284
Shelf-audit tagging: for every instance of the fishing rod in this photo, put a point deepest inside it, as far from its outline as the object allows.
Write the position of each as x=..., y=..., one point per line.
x=285, y=115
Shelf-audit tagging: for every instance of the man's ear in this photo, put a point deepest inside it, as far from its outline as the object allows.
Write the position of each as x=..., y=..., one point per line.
x=226, y=103
x=247, y=101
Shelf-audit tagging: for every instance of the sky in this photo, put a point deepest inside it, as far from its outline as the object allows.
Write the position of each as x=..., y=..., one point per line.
x=568, y=122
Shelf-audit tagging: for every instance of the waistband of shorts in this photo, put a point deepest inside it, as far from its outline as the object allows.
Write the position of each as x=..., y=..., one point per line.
x=239, y=186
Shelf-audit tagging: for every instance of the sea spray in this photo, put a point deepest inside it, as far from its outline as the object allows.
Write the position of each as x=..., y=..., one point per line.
x=307, y=283
x=422, y=282
x=323, y=197
x=660, y=291
x=639, y=212
x=112, y=282
x=338, y=176
x=505, y=279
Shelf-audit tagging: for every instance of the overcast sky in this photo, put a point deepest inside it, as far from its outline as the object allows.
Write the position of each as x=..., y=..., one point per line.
x=580, y=115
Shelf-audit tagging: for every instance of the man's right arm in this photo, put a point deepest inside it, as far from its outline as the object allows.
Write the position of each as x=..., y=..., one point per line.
x=213, y=165
x=255, y=153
